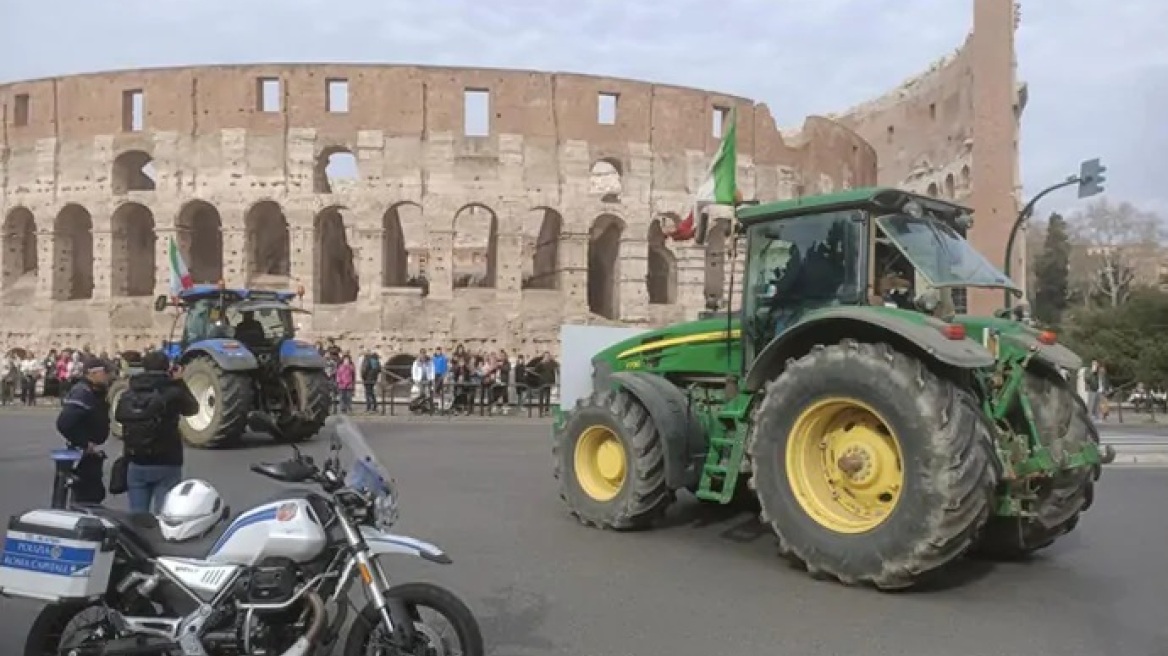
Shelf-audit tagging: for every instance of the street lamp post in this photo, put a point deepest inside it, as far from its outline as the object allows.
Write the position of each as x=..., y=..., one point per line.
x=1090, y=180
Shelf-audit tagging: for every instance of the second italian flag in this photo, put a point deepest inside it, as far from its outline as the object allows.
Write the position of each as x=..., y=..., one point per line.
x=180, y=277
x=720, y=187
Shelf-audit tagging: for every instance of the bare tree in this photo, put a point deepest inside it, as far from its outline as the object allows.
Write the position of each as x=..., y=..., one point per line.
x=1117, y=239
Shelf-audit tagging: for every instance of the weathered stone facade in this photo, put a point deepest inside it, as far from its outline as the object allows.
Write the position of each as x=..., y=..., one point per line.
x=952, y=132
x=554, y=214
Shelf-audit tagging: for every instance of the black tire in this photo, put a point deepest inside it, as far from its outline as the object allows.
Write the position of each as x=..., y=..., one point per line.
x=232, y=397
x=1064, y=427
x=427, y=595
x=945, y=452
x=116, y=389
x=311, y=399
x=642, y=496
x=51, y=625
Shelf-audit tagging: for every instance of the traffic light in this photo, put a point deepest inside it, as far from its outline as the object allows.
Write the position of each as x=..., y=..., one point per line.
x=1091, y=178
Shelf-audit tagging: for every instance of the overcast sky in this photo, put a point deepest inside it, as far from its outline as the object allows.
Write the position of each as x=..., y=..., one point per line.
x=1098, y=71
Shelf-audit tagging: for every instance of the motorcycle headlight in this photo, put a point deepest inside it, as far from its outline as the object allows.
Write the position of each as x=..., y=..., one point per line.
x=385, y=511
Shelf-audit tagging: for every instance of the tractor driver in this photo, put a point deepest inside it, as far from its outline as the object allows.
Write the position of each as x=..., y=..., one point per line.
x=248, y=330
x=808, y=281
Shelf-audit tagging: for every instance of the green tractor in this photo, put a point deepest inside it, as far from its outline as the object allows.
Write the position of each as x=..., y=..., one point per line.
x=882, y=434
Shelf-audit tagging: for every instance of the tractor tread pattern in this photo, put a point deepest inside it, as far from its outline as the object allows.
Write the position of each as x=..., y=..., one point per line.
x=963, y=489
x=650, y=497
x=318, y=401
x=237, y=398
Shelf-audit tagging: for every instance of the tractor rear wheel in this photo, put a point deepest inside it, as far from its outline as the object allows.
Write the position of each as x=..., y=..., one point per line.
x=869, y=468
x=311, y=399
x=610, y=463
x=224, y=399
x=116, y=389
x=1065, y=428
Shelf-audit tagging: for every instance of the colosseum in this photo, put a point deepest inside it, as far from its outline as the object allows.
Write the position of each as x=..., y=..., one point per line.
x=414, y=206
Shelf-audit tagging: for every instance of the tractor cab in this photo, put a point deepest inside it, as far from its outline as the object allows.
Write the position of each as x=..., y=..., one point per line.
x=865, y=247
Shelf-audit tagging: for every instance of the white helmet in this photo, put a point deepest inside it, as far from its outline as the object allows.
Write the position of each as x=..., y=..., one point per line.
x=191, y=509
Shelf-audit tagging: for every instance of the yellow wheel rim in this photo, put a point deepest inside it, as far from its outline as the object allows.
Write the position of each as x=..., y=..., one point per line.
x=844, y=465
x=600, y=463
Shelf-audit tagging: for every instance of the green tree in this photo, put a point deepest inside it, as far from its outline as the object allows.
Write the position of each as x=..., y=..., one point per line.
x=1052, y=272
x=1129, y=339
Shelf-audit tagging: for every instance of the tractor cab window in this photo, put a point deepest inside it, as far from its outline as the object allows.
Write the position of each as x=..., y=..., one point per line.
x=268, y=324
x=205, y=321
x=939, y=253
x=803, y=263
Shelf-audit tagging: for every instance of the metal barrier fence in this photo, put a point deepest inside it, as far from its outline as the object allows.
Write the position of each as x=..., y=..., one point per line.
x=451, y=399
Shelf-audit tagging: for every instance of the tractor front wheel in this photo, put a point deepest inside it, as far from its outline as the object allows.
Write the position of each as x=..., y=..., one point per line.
x=1065, y=429
x=310, y=399
x=224, y=399
x=869, y=468
x=610, y=463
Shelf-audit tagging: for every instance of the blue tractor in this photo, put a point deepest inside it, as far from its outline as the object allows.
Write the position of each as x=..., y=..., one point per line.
x=239, y=353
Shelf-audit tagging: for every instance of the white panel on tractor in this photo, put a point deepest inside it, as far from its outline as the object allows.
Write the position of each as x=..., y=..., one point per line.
x=577, y=346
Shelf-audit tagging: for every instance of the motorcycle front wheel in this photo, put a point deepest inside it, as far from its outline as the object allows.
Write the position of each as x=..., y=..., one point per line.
x=368, y=637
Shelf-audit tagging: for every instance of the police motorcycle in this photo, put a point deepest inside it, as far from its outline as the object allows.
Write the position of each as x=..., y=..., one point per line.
x=275, y=581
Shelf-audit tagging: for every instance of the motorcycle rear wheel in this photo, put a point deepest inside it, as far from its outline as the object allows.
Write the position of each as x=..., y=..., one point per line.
x=368, y=637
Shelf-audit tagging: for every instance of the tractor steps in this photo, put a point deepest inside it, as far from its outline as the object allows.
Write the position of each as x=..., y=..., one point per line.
x=723, y=461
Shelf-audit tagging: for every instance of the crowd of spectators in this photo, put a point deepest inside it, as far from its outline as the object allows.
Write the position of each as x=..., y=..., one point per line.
x=458, y=382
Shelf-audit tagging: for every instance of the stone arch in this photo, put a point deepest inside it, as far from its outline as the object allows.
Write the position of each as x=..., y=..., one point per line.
x=965, y=177
x=335, y=278
x=604, y=266
x=606, y=179
x=132, y=266
x=400, y=366
x=335, y=169
x=476, y=245
x=933, y=191
x=73, y=254
x=545, y=252
x=661, y=278
x=716, y=261
x=20, y=246
x=395, y=254
x=269, y=243
x=199, y=229
x=133, y=170
x=950, y=187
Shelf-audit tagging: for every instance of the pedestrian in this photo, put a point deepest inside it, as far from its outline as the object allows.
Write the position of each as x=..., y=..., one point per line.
x=84, y=422
x=370, y=373
x=346, y=382
x=149, y=412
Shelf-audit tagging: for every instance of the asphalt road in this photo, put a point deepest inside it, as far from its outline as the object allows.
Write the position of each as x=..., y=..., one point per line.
x=710, y=582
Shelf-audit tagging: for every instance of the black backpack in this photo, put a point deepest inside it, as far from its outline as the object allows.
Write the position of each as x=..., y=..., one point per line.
x=141, y=413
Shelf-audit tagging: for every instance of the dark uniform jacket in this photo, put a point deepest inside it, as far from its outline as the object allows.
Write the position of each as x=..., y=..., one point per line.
x=85, y=420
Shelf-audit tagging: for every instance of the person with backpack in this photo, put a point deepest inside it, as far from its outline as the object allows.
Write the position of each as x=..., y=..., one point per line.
x=370, y=372
x=149, y=412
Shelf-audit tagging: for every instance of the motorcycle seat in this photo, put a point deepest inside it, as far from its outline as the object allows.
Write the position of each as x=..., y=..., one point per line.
x=143, y=529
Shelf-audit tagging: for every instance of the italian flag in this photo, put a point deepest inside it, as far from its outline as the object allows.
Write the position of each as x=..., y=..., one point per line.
x=721, y=184
x=180, y=277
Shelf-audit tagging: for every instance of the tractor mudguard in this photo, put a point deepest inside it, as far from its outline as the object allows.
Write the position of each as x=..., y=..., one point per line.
x=1055, y=355
x=229, y=354
x=297, y=354
x=682, y=435
x=868, y=324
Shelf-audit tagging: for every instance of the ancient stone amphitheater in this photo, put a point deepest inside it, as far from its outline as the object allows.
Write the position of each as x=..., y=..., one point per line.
x=524, y=199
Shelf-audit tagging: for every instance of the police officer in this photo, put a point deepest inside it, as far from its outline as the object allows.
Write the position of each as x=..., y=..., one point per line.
x=85, y=422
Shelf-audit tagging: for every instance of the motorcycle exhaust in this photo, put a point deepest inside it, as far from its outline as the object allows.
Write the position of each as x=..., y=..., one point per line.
x=305, y=644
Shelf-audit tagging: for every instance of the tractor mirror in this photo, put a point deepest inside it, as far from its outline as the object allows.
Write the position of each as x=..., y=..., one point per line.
x=161, y=303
